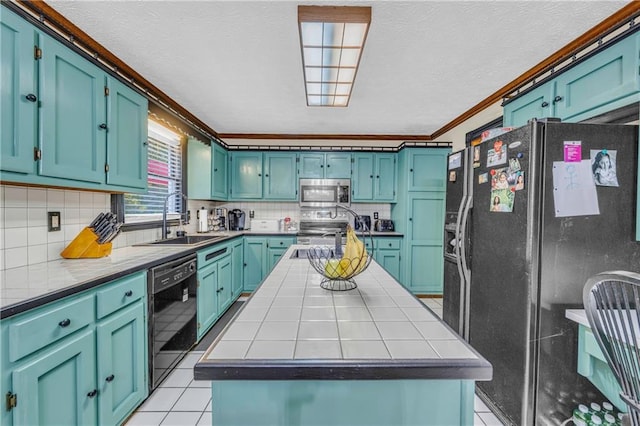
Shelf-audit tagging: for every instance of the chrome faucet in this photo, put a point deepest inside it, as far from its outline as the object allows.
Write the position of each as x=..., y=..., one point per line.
x=164, y=212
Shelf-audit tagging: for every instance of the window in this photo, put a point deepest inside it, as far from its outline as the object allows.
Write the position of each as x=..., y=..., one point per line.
x=164, y=178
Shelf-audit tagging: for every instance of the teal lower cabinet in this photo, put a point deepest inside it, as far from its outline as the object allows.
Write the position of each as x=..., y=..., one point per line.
x=58, y=386
x=81, y=360
x=387, y=254
x=237, y=267
x=225, y=286
x=122, y=363
x=210, y=287
x=260, y=256
x=276, y=248
x=255, y=252
x=343, y=402
x=592, y=364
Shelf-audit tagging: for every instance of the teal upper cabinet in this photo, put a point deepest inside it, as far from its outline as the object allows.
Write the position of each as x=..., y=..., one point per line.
x=385, y=177
x=126, y=136
x=65, y=121
x=312, y=165
x=257, y=175
x=73, y=122
x=363, y=177
x=427, y=169
x=18, y=121
x=219, y=183
x=603, y=82
x=246, y=175
x=534, y=104
x=280, y=176
x=198, y=170
x=330, y=165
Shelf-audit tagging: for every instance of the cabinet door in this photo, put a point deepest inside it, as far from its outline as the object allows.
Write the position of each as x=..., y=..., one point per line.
x=537, y=103
x=603, y=82
x=122, y=363
x=385, y=177
x=246, y=175
x=127, y=136
x=198, y=170
x=363, y=177
x=237, y=266
x=18, y=121
x=225, y=284
x=254, y=262
x=390, y=261
x=207, y=297
x=424, y=238
x=280, y=176
x=338, y=165
x=427, y=169
x=219, y=173
x=58, y=387
x=73, y=124
x=312, y=165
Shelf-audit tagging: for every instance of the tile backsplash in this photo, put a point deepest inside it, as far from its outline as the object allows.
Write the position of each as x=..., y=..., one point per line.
x=24, y=235
x=25, y=239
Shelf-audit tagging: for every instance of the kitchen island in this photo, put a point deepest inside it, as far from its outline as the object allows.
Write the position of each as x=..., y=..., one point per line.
x=298, y=354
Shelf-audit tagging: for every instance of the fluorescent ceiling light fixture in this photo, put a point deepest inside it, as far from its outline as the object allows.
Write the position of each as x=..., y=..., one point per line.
x=331, y=40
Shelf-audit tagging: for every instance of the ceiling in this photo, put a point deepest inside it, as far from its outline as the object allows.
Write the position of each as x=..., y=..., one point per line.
x=236, y=65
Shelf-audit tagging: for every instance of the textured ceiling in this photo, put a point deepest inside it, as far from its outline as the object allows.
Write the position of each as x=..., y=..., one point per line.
x=236, y=65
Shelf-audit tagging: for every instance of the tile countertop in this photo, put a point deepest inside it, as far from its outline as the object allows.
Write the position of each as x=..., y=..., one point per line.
x=292, y=329
x=30, y=286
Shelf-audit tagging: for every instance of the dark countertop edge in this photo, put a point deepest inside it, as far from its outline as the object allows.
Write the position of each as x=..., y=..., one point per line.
x=452, y=369
x=38, y=301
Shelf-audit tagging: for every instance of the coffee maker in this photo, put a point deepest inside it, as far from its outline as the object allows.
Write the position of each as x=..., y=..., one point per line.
x=236, y=220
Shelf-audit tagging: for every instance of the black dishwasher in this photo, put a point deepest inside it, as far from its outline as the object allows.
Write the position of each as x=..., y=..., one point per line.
x=172, y=315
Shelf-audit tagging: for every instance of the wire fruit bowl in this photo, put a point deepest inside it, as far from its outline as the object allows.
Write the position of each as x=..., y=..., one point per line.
x=337, y=267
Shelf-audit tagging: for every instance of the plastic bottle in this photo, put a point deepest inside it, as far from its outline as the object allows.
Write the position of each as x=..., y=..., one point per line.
x=607, y=407
x=595, y=420
x=609, y=420
x=581, y=413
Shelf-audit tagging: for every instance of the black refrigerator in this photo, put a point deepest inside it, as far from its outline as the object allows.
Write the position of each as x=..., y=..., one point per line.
x=548, y=213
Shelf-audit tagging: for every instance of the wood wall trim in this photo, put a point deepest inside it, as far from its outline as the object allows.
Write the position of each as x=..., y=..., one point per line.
x=625, y=14
x=118, y=66
x=289, y=136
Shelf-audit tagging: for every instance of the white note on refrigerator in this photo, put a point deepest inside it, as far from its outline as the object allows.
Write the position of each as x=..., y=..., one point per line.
x=574, y=191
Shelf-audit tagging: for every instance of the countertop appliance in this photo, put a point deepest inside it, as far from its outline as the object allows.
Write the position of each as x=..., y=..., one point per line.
x=364, y=220
x=236, y=220
x=172, y=315
x=318, y=226
x=526, y=267
x=321, y=193
x=384, y=225
x=203, y=220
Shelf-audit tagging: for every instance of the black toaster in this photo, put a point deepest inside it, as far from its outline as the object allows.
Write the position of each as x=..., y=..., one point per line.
x=384, y=225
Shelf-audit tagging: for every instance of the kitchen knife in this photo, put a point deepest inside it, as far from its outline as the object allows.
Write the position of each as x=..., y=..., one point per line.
x=113, y=234
x=96, y=220
x=105, y=232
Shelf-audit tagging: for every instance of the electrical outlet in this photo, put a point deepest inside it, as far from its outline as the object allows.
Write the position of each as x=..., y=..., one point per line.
x=375, y=215
x=53, y=221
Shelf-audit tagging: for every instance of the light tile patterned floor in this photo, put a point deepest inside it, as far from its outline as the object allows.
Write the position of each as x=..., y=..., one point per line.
x=182, y=401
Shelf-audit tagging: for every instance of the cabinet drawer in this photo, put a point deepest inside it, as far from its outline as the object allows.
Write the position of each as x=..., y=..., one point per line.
x=212, y=254
x=48, y=325
x=387, y=244
x=120, y=293
x=280, y=242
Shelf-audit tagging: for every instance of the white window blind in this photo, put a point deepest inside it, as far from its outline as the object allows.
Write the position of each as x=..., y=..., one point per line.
x=164, y=178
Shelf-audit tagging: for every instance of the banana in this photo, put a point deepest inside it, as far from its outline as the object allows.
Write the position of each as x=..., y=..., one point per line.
x=355, y=255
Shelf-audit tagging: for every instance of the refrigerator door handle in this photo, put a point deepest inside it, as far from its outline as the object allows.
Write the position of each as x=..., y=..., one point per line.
x=466, y=272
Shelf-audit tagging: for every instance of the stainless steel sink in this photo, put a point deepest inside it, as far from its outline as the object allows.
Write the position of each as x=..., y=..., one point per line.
x=302, y=253
x=187, y=240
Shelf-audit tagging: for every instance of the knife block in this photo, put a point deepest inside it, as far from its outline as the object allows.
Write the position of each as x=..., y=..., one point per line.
x=85, y=245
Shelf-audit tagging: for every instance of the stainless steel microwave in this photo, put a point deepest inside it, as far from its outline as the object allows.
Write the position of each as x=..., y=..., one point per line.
x=324, y=192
